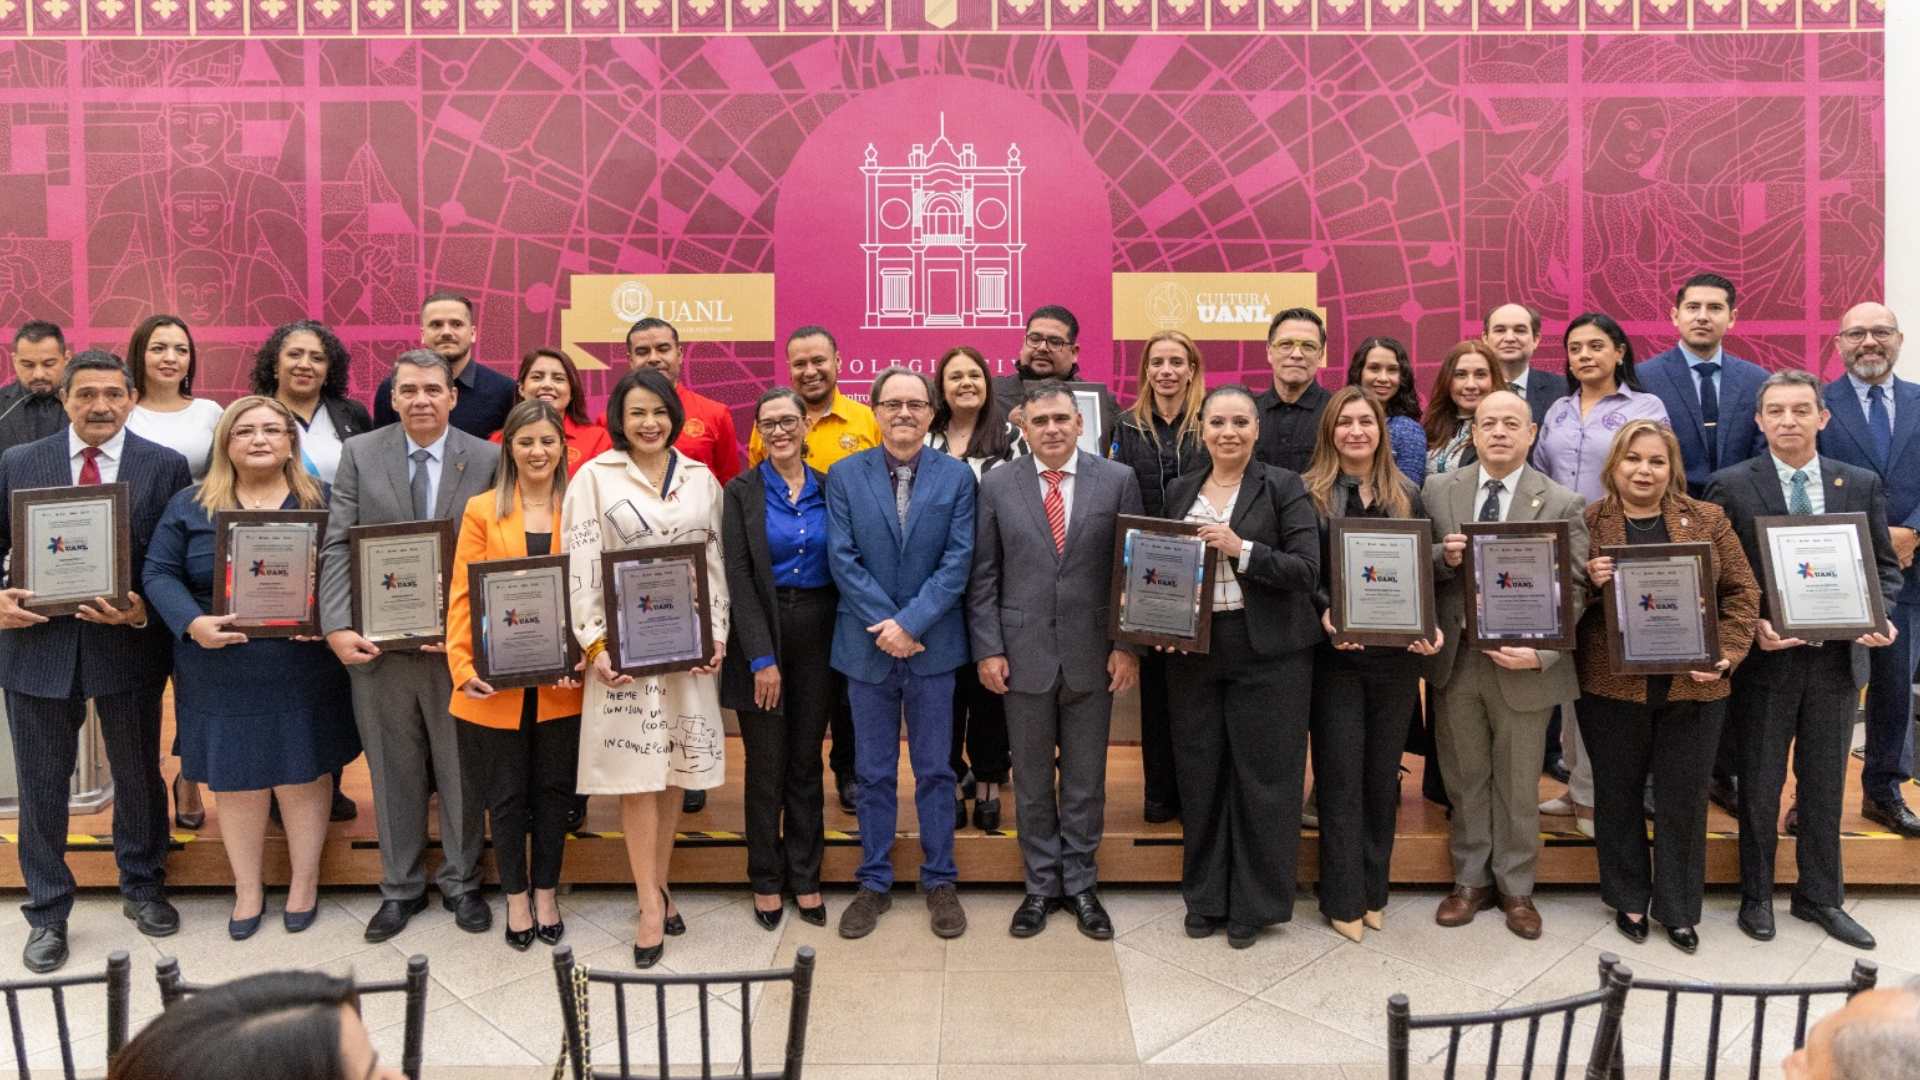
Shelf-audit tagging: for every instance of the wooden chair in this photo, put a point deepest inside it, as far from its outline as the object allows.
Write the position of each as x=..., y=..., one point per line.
x=117, y=978
x=1865, y=974
x=1608, y=1001
x=173, y=988
x=800, y=975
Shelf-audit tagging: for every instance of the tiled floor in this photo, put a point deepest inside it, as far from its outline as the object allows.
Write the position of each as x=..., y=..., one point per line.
x=902, y=1005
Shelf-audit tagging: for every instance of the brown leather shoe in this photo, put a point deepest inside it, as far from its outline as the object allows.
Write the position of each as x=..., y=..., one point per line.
x=1459, y=908
x=1522, y=917
x=948, y=918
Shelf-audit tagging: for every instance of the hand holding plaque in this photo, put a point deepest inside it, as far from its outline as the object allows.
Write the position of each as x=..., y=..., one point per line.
x=1820, y=576
x=265, y=564
x=70, y=546
x=658, y=609
x=1519, y=584
x=522, y=621
x=1382, y=581
x=1661, y=617
x=399, y=575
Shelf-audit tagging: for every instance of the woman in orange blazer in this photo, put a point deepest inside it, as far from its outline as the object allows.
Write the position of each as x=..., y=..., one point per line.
x=549, y=375
x=518, y=748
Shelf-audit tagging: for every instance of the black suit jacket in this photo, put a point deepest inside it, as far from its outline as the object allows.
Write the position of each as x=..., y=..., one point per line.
x=1751, y=488
x=755, y=631
x=25, y=418
x=1543, y=389
x=1274, y=512
x=349, y=417
x=45, y=660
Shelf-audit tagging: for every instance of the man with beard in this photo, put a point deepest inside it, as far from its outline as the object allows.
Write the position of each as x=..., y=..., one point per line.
x=837, y=425
x=708, y=435
x=1875, y=417
x=1513, y=333
x=485, y=395
x=30, y=405
x=1051, y=350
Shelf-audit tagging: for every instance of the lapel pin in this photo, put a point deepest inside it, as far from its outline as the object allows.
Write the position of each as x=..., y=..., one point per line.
x=1684, y=522
x=1839, y=481
x=1536, y=503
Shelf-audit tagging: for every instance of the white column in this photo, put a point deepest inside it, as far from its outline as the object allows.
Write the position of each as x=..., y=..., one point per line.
x=1903, y=171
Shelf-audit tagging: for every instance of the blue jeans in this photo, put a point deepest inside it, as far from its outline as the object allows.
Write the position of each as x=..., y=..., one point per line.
x=1890, y=710
x=927, y=701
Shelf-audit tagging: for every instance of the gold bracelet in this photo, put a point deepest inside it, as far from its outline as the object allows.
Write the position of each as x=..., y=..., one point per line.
x=594, y=650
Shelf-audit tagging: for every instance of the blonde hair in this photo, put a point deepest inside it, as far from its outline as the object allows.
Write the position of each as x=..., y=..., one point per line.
x=1142, y=408
x=1676, y=470
x=506, y=486
x=1383, y=476
x=220, y=490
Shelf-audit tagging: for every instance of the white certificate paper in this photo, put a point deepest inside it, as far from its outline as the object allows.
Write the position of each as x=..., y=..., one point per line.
x=1381, y=577
x=400, y=588
x=659, y=623
x=1659, y=604
x=1821, y=574
x=70, y=552
x=270, y=570
x=1517, y=591
x=526, y=627
x=1164, y=576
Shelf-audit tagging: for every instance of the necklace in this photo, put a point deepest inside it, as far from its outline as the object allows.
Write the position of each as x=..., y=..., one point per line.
x=1652, y=523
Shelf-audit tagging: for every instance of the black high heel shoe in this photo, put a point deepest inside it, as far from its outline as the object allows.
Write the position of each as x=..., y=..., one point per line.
x=1684, y=938
x=674, y=924
x=521, y=940
x=1635, y=932
x=189, y=821
x=769, y=920
x=550, y=935
x=645, y=956
x=812, y=916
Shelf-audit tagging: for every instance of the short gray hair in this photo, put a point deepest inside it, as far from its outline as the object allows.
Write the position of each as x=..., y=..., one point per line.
x=425, y=359
x=884, y=377
x=93, y=360
x=1788, y=377
x=1881, y=1049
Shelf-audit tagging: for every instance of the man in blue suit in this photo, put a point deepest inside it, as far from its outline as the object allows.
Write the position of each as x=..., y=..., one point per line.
x=117, y=656
x=900, y=547
x=1875, y=419
x=1708, y=391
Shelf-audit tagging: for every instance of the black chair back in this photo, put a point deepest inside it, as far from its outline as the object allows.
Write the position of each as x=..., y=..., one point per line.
x=1863, y=977
x=1609, y=1001
x=117, y=978
x=173, y=988
x=800, y=975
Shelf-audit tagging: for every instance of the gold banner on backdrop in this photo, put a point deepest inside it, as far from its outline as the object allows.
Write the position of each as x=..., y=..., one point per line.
x=701, y=307
x=1206, y=307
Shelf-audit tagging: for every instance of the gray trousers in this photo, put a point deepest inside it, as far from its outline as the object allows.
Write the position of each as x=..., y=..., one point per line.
x=1490, y=754
x=400, y=704
x=1061, y=814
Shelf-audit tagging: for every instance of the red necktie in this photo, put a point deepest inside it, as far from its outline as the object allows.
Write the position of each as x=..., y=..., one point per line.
x=90, y=468
x=1056, y=508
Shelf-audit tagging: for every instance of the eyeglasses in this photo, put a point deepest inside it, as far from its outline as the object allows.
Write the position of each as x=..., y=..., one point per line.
x=778, y=425
x=1859, y=334
x=1049, y=340
x=1308, y=349
x=899, y=405
x=246, y=434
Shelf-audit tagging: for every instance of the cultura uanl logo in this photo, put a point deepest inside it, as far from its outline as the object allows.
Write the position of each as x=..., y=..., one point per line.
x=522, y=618
x=1809, y=570
x=1374, y=575
x=63, y=545
x=1170, y=306
x=1507, y=579
x=1649, y=602
x=650, y=604
x=399, y=581
x=259, y=568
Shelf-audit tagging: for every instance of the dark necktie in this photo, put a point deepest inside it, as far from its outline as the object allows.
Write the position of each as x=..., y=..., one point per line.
x=419, y=486
x=1879, y=422
x=1490, y=510
x=90, y=465
x=1517, y=388
x=1710, y=412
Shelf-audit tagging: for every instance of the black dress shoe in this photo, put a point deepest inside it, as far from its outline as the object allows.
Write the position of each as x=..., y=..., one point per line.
x=986, y=814
x=521, y=940
x=1241, y=935
x=1635, y=932
x=550, y=935
x=1201, y=926
x=393, y=917
x=693, y=802
x=769, y=920
x=844, y=789
x=1684, y=938
x=645, y=956
x=1792, y=826
x=674, y=925
x=242, y=929
x=1556, y=767
x=1159, y=813
x=1756, y=919
x=1837, y=923
x=1724, y=792
x=470, y=911
x=577, y=813
x=343, y=808
x=46, y=948
x=154, y=918
x=1895, y=815
x=189, y=821
x=1031, y=916
x=1093, y=918
x=812, y=916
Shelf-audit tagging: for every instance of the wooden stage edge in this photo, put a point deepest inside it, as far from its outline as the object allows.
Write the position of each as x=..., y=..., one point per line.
x=710, y=850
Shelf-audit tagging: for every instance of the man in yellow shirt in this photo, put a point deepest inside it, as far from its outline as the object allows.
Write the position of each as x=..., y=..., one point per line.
x=837, y=425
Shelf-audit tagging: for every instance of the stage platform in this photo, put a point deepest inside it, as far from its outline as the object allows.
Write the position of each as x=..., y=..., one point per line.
x=710, y=849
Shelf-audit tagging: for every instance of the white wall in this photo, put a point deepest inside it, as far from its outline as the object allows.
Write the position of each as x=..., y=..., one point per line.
x=1903, y=170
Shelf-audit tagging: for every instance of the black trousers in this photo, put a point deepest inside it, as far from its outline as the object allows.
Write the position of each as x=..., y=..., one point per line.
x=979, y=730
x=1800, y=699
x=840, y=724
x=1362, y=708
x=786, y=831
x=524, y=776
x=1156, y=732
x=1674, y=742
x=1240, y=751
x=46, y=743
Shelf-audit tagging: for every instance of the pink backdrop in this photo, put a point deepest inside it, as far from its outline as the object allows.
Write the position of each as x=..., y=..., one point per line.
x=1421, y=176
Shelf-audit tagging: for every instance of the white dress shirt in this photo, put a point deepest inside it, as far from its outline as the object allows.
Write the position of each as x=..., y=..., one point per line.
x=1815, y=495
x=1226, y=581
x=1066, y=484
x=1508, y=483
x=109, y=460
x=437, y=451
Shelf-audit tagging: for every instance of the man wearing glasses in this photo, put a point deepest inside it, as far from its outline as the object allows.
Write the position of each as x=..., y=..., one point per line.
x=1875, y=417
x=1290, y=411
x=1051, y=350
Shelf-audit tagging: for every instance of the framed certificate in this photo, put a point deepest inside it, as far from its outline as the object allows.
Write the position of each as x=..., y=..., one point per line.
x=1382, y=578
x=1091, y=401
x=399, y=582
x=1660, y=612
x=658, y=617
x=71, y=546
x=1162, y=591
x=1519, y=584
x=522, y=621
x=264, y=566
x=1821, y=578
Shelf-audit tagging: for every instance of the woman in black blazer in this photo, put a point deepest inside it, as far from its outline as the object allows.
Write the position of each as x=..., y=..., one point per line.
x=1239, y=751
x=775, y=673
x=303, y=365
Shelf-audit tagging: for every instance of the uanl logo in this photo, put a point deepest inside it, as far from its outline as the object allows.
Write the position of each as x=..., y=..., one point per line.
x=65, y=545
x=259, y=568
x=1508, y=579
x=1650, y=602
x=394, y=581
x=522, y=618
x=650, y=604
x=1375, y=575
x=701, y=307
x=1171, y=305
x=1809, y=570
x=633, y=300
x=1161, y=576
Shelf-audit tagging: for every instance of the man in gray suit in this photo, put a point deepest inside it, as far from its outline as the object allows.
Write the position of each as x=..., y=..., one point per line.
x=417, y=469
x=1493, y=704
x=1042, y=567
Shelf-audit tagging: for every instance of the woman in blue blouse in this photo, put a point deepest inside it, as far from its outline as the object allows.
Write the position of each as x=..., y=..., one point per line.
x=258, y=718
x=775, y=673
x=1381, y=367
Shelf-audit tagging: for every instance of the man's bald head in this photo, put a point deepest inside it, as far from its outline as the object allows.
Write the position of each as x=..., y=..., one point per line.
x=1869, y=341
x=1876, y=1036
x=1503, y=432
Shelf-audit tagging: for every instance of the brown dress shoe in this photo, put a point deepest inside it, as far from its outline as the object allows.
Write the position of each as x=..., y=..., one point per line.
x=1459, y=908
x=1522, y=917
x=948, y=918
